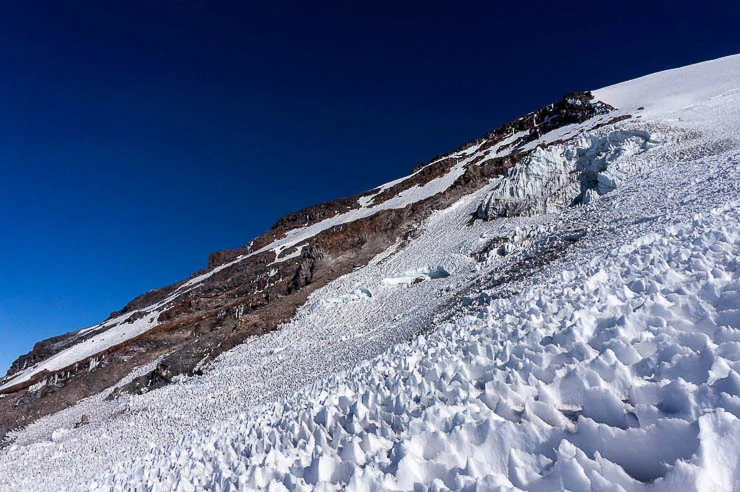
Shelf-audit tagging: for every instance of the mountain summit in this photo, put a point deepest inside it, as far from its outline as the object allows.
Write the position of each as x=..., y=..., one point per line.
x=551, y=305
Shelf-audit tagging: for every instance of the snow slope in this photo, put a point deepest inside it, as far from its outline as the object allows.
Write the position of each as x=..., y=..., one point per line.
x=612, y=364
x=662, y=93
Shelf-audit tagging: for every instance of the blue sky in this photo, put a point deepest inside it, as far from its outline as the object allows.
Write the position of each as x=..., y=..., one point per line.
x=135, y=139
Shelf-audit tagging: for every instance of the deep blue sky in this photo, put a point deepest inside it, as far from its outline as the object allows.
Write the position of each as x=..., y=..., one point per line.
x=136, y=138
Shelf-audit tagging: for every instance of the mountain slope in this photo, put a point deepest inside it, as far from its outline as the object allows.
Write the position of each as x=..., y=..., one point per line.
x=532, y=349
x=250, y=291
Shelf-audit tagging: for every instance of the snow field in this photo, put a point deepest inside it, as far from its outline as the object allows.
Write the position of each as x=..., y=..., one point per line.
x=663, y=93
x=626, y=373
x=672, y=193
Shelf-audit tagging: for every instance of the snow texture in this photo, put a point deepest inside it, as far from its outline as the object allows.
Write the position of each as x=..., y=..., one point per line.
x=601, y=352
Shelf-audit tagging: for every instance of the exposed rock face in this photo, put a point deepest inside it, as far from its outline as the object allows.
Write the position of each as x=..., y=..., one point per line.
x=264, y=288
x=307, y=268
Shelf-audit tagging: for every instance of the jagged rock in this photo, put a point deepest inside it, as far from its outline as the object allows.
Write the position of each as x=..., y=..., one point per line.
x=304, y=275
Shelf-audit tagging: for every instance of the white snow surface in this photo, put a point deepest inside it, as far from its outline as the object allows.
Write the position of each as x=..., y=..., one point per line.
x=614, y=365
x=665, y=92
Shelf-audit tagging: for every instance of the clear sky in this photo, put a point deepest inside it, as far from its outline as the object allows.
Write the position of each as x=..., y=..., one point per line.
x=138, y=136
